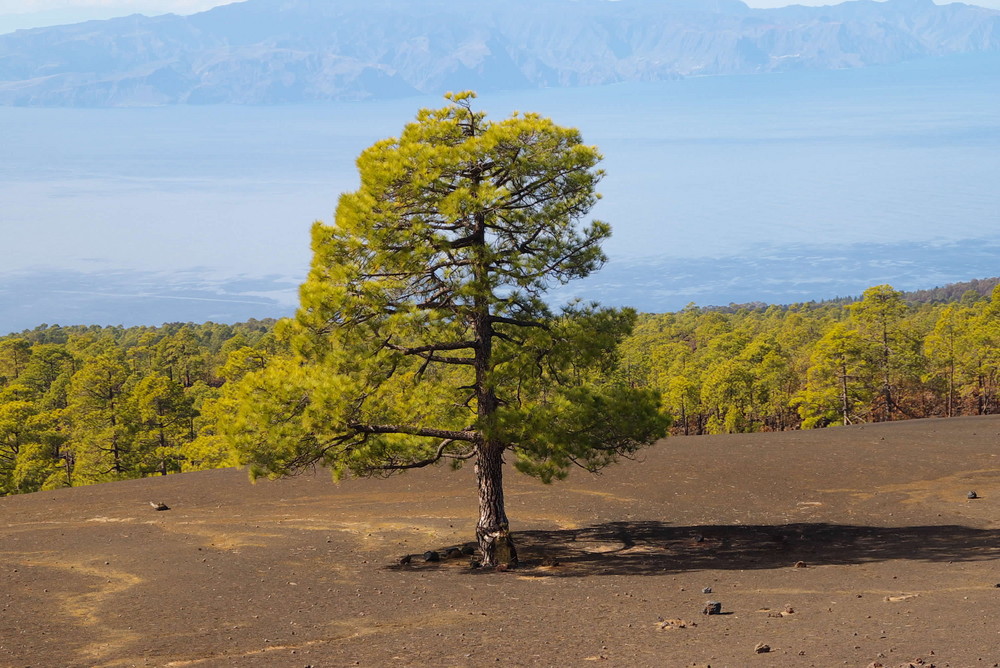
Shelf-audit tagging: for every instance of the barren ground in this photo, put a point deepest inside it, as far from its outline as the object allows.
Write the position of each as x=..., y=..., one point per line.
x=845, y=546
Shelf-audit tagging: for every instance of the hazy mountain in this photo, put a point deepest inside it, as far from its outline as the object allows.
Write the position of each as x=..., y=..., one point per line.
x=275, y=51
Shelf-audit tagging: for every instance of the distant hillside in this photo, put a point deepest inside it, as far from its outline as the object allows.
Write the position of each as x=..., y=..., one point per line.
x=953, y=292
x=280, y=51
x=981, y=288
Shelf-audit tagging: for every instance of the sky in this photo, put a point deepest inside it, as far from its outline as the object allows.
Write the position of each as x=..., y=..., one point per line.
x=18, y=14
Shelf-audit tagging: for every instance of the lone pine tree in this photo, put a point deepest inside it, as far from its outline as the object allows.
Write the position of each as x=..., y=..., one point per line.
x=422, y=335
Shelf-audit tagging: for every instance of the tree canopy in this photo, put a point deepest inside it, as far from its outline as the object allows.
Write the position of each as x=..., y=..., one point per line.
x=82, y=405
x=880, y=357
x=423, y=335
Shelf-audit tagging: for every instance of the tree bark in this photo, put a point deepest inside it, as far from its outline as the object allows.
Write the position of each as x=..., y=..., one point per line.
x=890, y=402
x=493, y=530
x=844, y=405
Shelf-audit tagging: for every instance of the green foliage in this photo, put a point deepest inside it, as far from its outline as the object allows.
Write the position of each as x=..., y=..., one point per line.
x=14, y=355
x=422, y=334
x=165, y=422
x=103, y=426
x=833, y=389
x=876, y=358
x=88, y=404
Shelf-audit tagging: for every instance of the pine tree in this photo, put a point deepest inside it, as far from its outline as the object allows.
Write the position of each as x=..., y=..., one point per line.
x=103, y=423
x=423, y=336
x=878, y=315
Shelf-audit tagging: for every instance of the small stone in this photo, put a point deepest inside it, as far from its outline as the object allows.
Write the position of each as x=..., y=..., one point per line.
x=712, y=608
x=899, y=598
x=452, y=553
x=972, y=495
x=159, y=506
x=431, y=555
x=405, y=559
x=761, y=648
x=800, y=564
x=706, y=590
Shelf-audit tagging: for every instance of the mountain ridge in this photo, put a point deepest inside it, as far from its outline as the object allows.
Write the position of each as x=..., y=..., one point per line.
x=288, y=51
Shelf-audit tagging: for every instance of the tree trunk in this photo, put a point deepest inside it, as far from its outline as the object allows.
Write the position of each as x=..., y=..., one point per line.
x=844, y=405
x=951, y=389
x=493, y=530
x=890, y=402
x=115, y=450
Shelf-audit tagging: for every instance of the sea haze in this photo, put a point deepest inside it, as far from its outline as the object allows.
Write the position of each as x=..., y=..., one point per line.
x=780, y=187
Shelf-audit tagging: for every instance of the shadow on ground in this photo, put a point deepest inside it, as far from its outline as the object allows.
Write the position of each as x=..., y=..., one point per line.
x=653, y=548
x=640, y=548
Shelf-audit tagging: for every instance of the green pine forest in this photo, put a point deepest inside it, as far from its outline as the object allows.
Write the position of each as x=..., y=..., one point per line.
x=82, y=405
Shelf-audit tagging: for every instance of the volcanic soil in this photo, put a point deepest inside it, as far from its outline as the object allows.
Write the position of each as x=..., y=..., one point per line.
x=846, y=546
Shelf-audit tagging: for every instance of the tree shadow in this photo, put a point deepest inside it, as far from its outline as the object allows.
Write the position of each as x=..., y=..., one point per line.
x=655, y=548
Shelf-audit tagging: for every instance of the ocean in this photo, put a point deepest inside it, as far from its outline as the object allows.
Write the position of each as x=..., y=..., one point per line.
x=778, y=188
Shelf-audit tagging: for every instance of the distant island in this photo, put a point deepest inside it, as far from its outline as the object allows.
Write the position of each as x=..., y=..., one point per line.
x=271, y=52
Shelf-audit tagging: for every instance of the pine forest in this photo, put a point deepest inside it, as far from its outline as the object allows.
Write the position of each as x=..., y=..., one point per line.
x=82, y=405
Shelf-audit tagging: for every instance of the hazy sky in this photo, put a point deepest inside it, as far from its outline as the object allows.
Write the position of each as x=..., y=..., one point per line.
x=15, y=14
x=110, y=6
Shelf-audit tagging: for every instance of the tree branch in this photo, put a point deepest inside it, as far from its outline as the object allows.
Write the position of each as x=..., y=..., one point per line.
x=436, y=457
x=468, y=435
x=519, y=323
x=434, y=347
